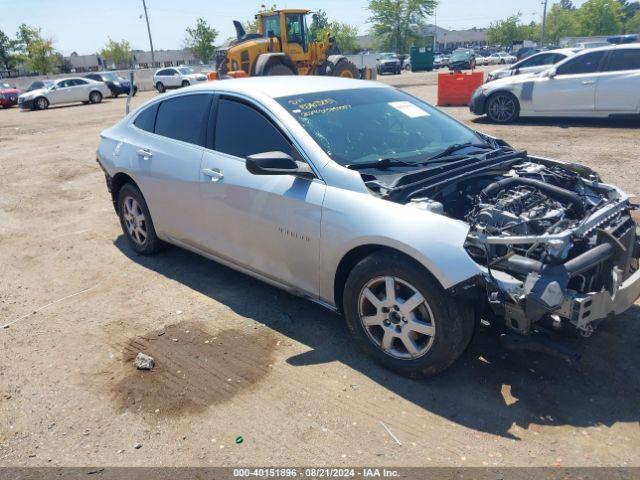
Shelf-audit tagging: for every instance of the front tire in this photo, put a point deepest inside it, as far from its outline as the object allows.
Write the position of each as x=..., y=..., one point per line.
x=401, y=316
x=503, y=107
x=95, y=97
x=278, y=69
x=136, y=221
x=345, y=69
x=41, y=103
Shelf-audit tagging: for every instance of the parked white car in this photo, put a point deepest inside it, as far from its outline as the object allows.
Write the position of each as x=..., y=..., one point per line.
x=375, y=204
x=597, y=83
x=533, y=64
x=176, y=77
x=65, y=90
x=503, y=58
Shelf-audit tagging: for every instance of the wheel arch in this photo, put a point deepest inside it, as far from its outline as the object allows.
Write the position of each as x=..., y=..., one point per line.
x=354, y=256
x=267, y=60
x=118, y=181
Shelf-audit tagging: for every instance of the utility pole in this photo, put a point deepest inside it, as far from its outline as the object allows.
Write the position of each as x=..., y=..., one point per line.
x=146, y=16
x=544, y=23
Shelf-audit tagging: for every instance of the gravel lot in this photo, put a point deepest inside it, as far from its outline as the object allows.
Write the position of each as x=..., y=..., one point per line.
x=238, y=358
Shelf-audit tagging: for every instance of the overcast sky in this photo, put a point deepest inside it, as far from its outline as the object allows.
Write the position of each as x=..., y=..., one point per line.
x=84, y=25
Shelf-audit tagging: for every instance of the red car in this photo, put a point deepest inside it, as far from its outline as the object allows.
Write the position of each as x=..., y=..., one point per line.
x=8, y=95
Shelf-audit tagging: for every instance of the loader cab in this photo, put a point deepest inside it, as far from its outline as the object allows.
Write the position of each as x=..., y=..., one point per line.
x=289, y=27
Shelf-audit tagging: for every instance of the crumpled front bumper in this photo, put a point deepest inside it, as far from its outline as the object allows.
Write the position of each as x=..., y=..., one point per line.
x=582, y=310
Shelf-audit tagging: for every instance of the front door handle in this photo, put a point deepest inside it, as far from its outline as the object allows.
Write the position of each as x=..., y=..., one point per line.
x=588, y=82
x=215, y=174
x=145, y=153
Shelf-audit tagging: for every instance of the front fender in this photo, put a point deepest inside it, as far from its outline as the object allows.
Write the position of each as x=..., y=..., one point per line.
x=353, y=219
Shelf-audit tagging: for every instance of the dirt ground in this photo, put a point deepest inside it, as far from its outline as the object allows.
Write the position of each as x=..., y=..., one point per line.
x=239, y=358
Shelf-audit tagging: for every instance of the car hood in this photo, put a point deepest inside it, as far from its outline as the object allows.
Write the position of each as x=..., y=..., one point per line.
x=512, y=80
x=35, y=93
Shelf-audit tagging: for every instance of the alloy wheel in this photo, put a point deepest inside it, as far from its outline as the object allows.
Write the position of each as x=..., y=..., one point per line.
x=42, y=103
x=502, y=108
x=396, y=318
x=134, y=220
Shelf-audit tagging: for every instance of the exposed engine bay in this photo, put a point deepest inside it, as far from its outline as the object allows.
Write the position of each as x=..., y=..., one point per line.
x=555, y=243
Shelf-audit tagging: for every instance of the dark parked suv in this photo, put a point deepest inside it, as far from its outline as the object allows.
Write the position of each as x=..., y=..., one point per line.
x=117, y=85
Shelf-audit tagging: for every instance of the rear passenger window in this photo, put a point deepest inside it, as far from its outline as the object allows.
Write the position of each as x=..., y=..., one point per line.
x=242, y=131
x=624, y=60
x=146, y=120
x=184, y=118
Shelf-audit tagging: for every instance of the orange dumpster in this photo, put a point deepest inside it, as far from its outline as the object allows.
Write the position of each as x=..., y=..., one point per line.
x=212, y=75
x=455, y=88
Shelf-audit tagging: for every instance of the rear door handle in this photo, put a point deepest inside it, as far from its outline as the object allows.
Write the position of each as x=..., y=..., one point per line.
x=145, y=153
x=588, y=82
x=214, y=173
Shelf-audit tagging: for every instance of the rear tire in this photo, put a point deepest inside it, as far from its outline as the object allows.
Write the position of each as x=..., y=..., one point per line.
x=95, y=97
x=419, y=329
x=136, y=221
x=278, y=69
x=160, y=87
x=503, y=107
x=345, y=69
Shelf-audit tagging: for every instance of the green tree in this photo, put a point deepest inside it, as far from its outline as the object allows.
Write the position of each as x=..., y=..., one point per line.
x=8, y=58
x=251, y=26
x=345, y=35
x=396, y=22
x=42, y=56
x=34, y=50
x=319, y=25
x=567, y=5
x=600, y=17
x=629, y=10
x=117, y=53
x=561, y=22
x=633, y=24
x=508, y=31
x=200, y=40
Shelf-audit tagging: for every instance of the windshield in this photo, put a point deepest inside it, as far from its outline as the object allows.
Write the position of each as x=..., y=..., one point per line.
x=367, y=124
x=459, y=56
x=109, y=77
x=5, y=85
x=388, y=56
x=185, y=70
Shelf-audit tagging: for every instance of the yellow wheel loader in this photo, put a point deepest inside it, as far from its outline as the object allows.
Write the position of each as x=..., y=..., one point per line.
x=282, y=47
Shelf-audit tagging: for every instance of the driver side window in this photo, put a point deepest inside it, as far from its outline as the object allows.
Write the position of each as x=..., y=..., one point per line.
x=587, y=63
x=241, y=131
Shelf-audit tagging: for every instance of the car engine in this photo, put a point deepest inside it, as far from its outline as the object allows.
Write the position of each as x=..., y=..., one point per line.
x=550, y=235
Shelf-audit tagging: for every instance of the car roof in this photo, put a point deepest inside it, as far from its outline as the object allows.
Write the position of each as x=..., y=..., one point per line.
x=285, y=86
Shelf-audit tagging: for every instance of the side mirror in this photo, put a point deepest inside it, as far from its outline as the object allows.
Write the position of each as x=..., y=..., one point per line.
x=277, y=163
x=552, y=73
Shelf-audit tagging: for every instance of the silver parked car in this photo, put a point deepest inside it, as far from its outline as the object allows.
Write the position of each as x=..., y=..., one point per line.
x=373, y=203
x=64, y=90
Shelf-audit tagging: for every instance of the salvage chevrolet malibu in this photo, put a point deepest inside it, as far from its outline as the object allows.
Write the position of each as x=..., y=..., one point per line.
x=373, y=203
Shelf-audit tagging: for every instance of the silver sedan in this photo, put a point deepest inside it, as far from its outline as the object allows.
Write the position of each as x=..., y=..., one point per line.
x=375, y=204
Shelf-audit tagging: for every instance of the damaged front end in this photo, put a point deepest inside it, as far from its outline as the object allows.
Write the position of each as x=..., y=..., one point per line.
x=555, y=244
